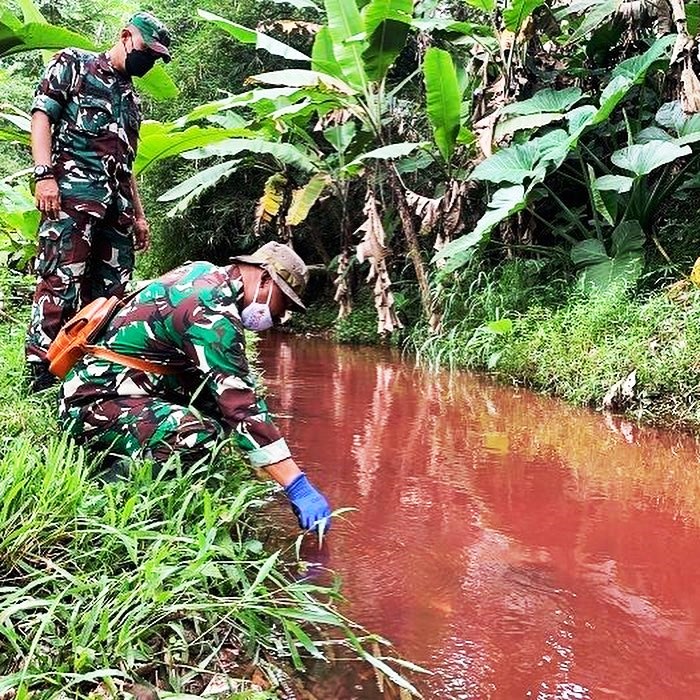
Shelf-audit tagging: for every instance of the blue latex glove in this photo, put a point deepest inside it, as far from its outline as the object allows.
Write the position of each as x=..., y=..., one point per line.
x=308, y=503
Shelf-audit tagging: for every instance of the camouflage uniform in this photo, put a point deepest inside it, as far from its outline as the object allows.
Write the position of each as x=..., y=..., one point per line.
x=89, y=250
x=187, y=318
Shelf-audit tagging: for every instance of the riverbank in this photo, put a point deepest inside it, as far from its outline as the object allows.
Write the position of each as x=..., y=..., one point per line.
x=166, y=578
x=520, y=328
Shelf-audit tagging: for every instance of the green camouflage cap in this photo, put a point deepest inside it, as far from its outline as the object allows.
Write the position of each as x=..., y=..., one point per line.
x=154, y=33
x=286, y=268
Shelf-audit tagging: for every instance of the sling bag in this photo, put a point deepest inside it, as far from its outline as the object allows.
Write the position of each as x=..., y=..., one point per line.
x=76, y=339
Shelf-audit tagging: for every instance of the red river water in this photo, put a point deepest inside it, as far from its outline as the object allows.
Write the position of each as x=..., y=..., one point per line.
x=514, y=546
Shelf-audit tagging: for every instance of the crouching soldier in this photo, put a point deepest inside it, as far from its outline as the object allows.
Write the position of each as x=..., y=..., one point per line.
x=192, y=319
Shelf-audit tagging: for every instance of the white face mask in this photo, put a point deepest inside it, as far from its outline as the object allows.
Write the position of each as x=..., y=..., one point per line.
x=257, y=316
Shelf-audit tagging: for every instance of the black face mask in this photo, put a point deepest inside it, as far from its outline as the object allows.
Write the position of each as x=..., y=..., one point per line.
x=139, y=61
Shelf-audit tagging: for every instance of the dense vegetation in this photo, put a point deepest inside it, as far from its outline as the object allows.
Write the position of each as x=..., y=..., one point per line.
x=505, y=186
x=441, y=152
x=165, y=579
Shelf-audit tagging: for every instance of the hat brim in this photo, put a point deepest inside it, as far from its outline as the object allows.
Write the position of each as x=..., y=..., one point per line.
x=281, y=283
x=161, y=50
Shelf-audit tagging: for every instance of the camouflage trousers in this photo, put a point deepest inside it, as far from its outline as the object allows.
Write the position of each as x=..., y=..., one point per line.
x=143, y=427
x=81, y=257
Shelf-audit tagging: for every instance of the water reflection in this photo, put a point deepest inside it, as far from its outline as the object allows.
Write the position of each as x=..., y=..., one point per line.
x=514, y=545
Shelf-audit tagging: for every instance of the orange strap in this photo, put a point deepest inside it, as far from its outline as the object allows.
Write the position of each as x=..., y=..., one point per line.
x=133, y=362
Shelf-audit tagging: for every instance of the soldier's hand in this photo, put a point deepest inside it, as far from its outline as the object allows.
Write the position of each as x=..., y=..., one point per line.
x=48, y=197
x=141, y=234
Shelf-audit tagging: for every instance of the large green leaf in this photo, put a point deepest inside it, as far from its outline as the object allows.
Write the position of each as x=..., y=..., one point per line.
x=193, y=187
x=390, y=152
x=30, y=12
x=8, y=20
x=284, y=152
x=614, y=183
x=594, y=14
x=444, y=99
x=672, y=116
x=527, y=161
x=323, y=58
x=546, y=100
x=636, y=68
x=251, y=36
x=37, y=35
x=340, y=136
x=506, y=201
x=518, y=11
x=653, y=133
x=599, y=270
x=208, y=177
x=579, y=119
x=19, y=224
x=209, y=109
x=345, y=25
x=525, y=122
x=387, y=23
x=627, y=74
x=159, y=141
x=299, y=78
x=612, y=95
x=158, y=84
x=643, y=158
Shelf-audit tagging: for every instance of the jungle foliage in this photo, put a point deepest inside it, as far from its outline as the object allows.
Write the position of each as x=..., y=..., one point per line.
x=397, y=144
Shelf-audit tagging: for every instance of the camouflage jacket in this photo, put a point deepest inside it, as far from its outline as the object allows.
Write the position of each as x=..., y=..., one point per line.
x=188, y=318
x=96, y=117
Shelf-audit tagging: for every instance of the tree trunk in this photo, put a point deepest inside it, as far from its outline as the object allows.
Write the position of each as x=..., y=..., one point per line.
x=409, y=230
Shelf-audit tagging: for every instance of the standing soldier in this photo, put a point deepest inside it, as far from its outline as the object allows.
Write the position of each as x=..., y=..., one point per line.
x=85, y=126
x=191, y=320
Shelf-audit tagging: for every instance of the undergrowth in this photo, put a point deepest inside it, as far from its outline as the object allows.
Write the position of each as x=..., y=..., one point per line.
x=526, y=328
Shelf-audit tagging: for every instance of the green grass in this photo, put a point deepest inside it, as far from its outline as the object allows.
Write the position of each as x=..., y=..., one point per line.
x=163, y=577
x=579, y=350
x=527, y=329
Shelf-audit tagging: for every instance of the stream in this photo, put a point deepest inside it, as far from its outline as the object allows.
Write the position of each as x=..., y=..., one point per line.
x=512, y=545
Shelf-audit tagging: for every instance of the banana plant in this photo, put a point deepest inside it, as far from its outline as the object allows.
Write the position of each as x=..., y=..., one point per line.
x=344, y=83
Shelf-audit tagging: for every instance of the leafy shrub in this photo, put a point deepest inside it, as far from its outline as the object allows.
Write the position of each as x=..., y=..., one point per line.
x=360, y=326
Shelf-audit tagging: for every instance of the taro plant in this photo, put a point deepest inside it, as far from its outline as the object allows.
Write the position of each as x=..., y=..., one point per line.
x=605, y=217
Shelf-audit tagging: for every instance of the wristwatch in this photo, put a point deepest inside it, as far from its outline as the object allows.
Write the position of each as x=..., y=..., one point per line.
x=42, y=172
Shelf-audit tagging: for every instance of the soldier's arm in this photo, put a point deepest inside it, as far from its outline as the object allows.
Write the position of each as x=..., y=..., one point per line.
x=213, y=339
x=47, y=196
x=50, y=98
x=141, y=228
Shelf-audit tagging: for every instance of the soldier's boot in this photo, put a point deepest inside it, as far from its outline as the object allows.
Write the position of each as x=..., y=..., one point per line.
x=39, y=377
x=113, y=468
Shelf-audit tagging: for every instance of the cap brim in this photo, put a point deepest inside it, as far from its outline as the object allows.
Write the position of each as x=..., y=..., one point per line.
x=282, y=284
x=161, y=50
